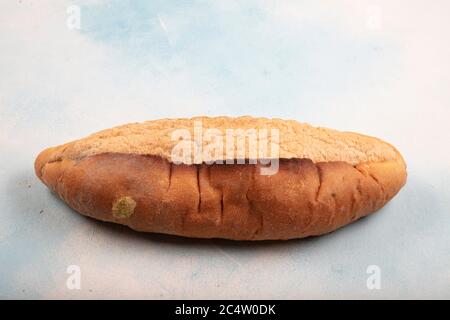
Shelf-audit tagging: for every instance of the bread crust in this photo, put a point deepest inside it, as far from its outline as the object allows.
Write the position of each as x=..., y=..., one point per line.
x=149, y=193
x=296, y=140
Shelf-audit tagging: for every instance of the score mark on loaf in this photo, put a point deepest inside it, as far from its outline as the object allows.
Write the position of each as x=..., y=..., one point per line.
x=236, y=178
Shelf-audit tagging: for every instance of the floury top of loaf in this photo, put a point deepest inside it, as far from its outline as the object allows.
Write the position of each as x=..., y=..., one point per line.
x=323, y=179
x=291, y=139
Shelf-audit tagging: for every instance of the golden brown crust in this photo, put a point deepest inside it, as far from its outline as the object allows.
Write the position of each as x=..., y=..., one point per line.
x=296, y=140
x=325, y=180
x=222, y=201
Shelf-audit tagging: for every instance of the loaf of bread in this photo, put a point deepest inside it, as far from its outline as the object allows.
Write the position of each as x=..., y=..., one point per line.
x=323, y=180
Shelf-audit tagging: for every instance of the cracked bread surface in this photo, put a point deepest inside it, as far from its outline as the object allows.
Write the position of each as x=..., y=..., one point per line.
x=307, y=196
x=296, y=140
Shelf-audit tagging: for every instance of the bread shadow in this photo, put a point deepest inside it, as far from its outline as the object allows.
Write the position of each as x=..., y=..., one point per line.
x=117, y=230
x=121, y=231
x=29, y=181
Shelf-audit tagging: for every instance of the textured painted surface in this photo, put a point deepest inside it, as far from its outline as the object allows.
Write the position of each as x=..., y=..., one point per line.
x=336, y=65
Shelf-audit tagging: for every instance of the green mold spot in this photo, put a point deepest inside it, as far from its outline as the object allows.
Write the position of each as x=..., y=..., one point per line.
x=123, y=207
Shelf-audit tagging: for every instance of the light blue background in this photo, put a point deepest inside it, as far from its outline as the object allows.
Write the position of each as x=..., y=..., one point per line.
x=377, y=67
